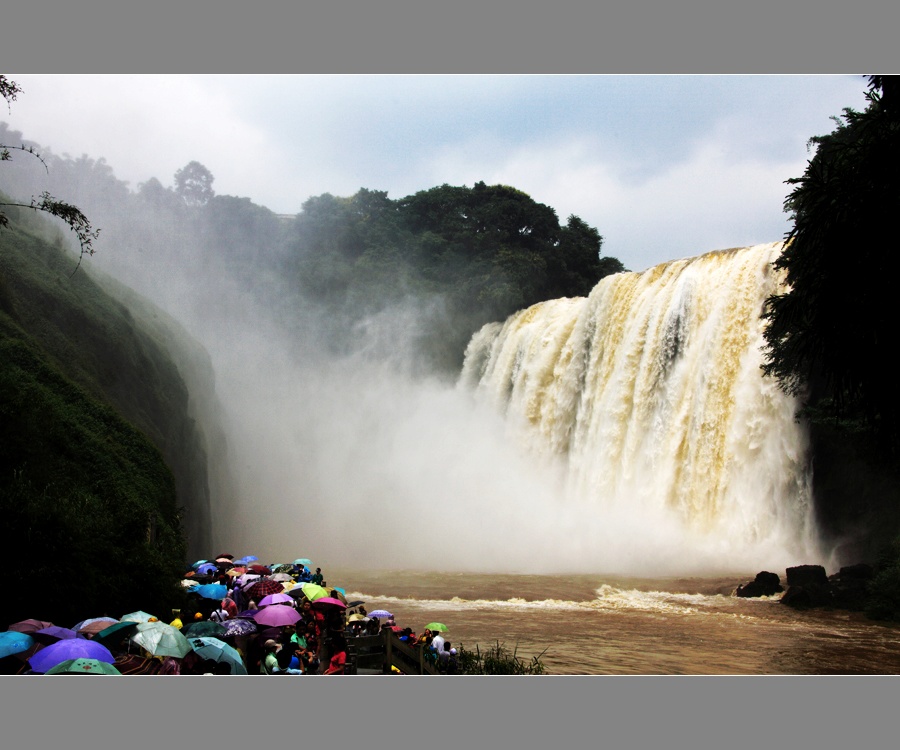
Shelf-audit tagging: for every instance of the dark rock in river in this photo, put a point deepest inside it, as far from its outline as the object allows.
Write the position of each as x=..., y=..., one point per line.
x=765, y=584
x=808, y=586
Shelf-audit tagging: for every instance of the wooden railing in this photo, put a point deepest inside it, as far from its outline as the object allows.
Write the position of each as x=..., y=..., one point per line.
x=368, y=653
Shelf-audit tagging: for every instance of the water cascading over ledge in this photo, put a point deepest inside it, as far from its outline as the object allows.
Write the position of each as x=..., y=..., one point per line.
x=649, y=394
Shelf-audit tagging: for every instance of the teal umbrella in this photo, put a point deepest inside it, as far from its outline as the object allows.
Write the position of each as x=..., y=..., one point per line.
x=219, y=651
x=116, y=632
x=302, y=561
x=14, y=642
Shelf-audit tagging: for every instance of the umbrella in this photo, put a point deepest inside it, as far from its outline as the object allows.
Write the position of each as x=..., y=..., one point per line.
x=239, y=627
x=160, y=639
x=210, y=591
x=188, y=583
x=357, y=617
x=282, y=577
x=247, y=578
x=302, y=561
x=437, y=627
x=70, y=648
x=283, y=568
x=14, y=642
x=224, y=556
x=134, y=664
x=53, y=634
x=78, y=627
x=381, y=613
x=207, y=568
x=83, y=666
x=203, y=628
x=29, y=626
x=97, y=626
x=264, y=587
x=355, y=603
x=219, y=651
x=261, y=569
x=329, y=601
x=198, y=564
x=276, y=599
x=313, y=591
x=277, y=616
x=139, y=616
x=116, y=632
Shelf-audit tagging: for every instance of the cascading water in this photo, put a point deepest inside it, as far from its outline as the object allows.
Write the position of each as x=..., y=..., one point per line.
x=650, y=396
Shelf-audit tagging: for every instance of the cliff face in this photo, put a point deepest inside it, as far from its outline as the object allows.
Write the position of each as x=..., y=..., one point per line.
x=103, y=467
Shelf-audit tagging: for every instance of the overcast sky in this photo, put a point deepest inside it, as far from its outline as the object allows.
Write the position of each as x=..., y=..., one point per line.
x=663, y=166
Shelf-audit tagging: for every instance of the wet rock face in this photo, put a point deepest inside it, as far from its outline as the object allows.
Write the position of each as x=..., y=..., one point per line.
x=765, y=584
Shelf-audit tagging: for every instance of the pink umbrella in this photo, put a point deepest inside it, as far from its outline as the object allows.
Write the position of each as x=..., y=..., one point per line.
x=278, y=598
x=329, y=601
x=277, y=616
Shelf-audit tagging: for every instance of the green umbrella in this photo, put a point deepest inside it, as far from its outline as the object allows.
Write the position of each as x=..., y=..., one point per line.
x=436, y=626
x=139, y=616
x=313, y=591
x=160, y=639
x=83, y=666
x=203, y=628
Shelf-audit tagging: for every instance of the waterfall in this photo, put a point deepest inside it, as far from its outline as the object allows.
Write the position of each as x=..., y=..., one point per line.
x=649, y=394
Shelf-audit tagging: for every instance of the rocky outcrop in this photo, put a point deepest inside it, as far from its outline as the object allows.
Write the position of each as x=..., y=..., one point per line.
x=808, y=586
x=765, y=584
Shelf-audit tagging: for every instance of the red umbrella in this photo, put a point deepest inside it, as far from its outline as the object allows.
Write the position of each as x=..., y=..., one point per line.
x=30, y=626
x=261, y=569
x=277, y=616
x=264, y=587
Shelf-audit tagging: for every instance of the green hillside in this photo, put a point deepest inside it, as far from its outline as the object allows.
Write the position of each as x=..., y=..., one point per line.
x=99, y=460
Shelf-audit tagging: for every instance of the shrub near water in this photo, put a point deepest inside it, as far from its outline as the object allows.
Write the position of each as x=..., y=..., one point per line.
x=497, y=660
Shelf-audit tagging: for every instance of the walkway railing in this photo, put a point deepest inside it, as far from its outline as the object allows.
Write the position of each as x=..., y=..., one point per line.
x=376, y=654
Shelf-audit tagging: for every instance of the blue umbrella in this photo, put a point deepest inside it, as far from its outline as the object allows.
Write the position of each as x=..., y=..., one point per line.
x=207, y=568
x=71, y=648
x=210, y=591
x=198, y=564
x=13, y=642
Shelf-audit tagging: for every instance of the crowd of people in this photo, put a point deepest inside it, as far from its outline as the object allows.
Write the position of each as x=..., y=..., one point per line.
x=272, y=619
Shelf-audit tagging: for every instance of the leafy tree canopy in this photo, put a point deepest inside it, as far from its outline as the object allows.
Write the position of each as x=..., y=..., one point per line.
x=193, y=183
x=832, y=337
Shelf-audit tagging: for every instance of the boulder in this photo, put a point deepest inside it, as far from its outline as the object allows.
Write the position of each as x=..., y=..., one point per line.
x=808, y=586
x=765, y=584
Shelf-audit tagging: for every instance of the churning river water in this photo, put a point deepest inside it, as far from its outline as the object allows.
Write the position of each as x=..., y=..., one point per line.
x=596, y=625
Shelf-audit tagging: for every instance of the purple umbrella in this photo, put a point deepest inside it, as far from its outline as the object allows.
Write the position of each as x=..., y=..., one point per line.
x=71, y=648
x=277, y=616
x=53, y=634
x=275, y=599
